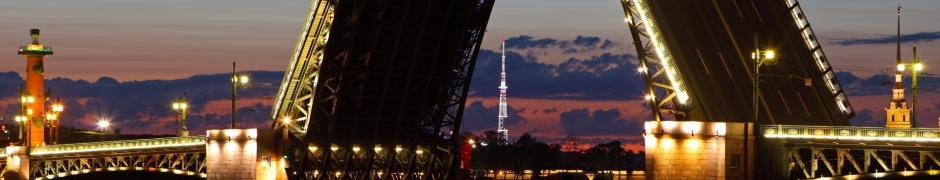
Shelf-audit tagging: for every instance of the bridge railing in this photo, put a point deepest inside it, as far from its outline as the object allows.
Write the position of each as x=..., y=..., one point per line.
x=850, y=133
x=123, y=145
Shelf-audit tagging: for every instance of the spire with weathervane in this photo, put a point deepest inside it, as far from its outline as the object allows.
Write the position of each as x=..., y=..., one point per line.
x=898, y=112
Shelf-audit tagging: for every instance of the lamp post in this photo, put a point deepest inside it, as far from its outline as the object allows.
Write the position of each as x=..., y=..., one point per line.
x=181, y=106
x=53, y=120
x=50, y=122
x=26, y=102
x=236, y=80
x=759, y=58
x=20, y=120
x=917, y=68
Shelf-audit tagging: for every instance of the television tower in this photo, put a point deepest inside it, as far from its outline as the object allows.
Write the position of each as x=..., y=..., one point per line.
x=503, y=132
x=34, y=99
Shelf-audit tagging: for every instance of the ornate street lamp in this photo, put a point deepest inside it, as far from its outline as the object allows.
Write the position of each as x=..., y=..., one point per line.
x=917, y=67
x=181, y=106
x=760, y=57
x=236, y=81
x=21, y=120
x=53, y=121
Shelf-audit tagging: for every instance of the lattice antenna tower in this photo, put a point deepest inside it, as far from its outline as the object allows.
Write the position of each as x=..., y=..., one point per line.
x=503, y=114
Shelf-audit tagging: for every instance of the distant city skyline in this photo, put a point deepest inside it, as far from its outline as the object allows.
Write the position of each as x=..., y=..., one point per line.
x=176, y=39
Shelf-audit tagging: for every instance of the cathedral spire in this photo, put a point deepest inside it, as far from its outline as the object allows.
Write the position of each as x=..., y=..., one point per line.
x=898, y=112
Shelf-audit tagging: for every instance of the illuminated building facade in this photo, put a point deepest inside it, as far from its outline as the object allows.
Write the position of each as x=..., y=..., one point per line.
x=704, y=150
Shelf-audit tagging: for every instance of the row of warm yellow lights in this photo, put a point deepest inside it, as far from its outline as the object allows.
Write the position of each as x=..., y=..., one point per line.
x=49, y=116
x=807, y=34
x=56, y=108
x=76, y=172
x=917, y=66
x=180, y=105
x=868, y=138
x=879, y=175
x=683, y=127
x=117, y=148
x=651, y=29
x=379, y=173
x=240, y=79
x=27, y=99
x=356, y=149
x=143, y=142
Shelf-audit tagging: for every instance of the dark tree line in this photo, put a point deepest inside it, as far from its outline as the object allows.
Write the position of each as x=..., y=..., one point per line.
x=527, y=153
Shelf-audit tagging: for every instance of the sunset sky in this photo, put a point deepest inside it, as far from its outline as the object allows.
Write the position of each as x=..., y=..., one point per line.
x=596, y=98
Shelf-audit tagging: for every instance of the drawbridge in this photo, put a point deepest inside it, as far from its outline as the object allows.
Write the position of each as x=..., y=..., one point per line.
x=743, y=90
x=376, y=89
x=699, y=61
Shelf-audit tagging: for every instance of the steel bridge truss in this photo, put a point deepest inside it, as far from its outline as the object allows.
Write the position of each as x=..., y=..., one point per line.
x=189, y=163
x=179, y=155
x=395, y=75
x=373, y=162
x=826, y=151
x=814, y=162
x=655, y=71
x=666, y=91
x=295, y=97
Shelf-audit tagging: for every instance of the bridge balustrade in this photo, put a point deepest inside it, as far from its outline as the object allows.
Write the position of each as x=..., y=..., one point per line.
x=824, y=151
x=851, y=133
x=123, y=145
x=179, y=155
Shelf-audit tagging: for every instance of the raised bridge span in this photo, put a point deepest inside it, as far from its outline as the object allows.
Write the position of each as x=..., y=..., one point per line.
x=699, y=60
x=373, y=90
x=726, y=108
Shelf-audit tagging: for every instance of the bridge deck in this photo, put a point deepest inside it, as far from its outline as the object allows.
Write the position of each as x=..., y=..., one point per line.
x=123, y=147
x=797, y=152
x=709, y=43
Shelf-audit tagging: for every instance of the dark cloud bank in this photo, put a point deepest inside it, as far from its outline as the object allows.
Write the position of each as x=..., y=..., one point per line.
x=891, y=39
x=136, y=104
x=602, y=77
x=576, y=45
x=881, y=84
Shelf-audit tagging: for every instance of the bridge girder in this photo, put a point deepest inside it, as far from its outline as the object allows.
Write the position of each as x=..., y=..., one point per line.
x=189, y=163
x=871, y=160
x=651, y=65
x=397, y=163
x=827, y=151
